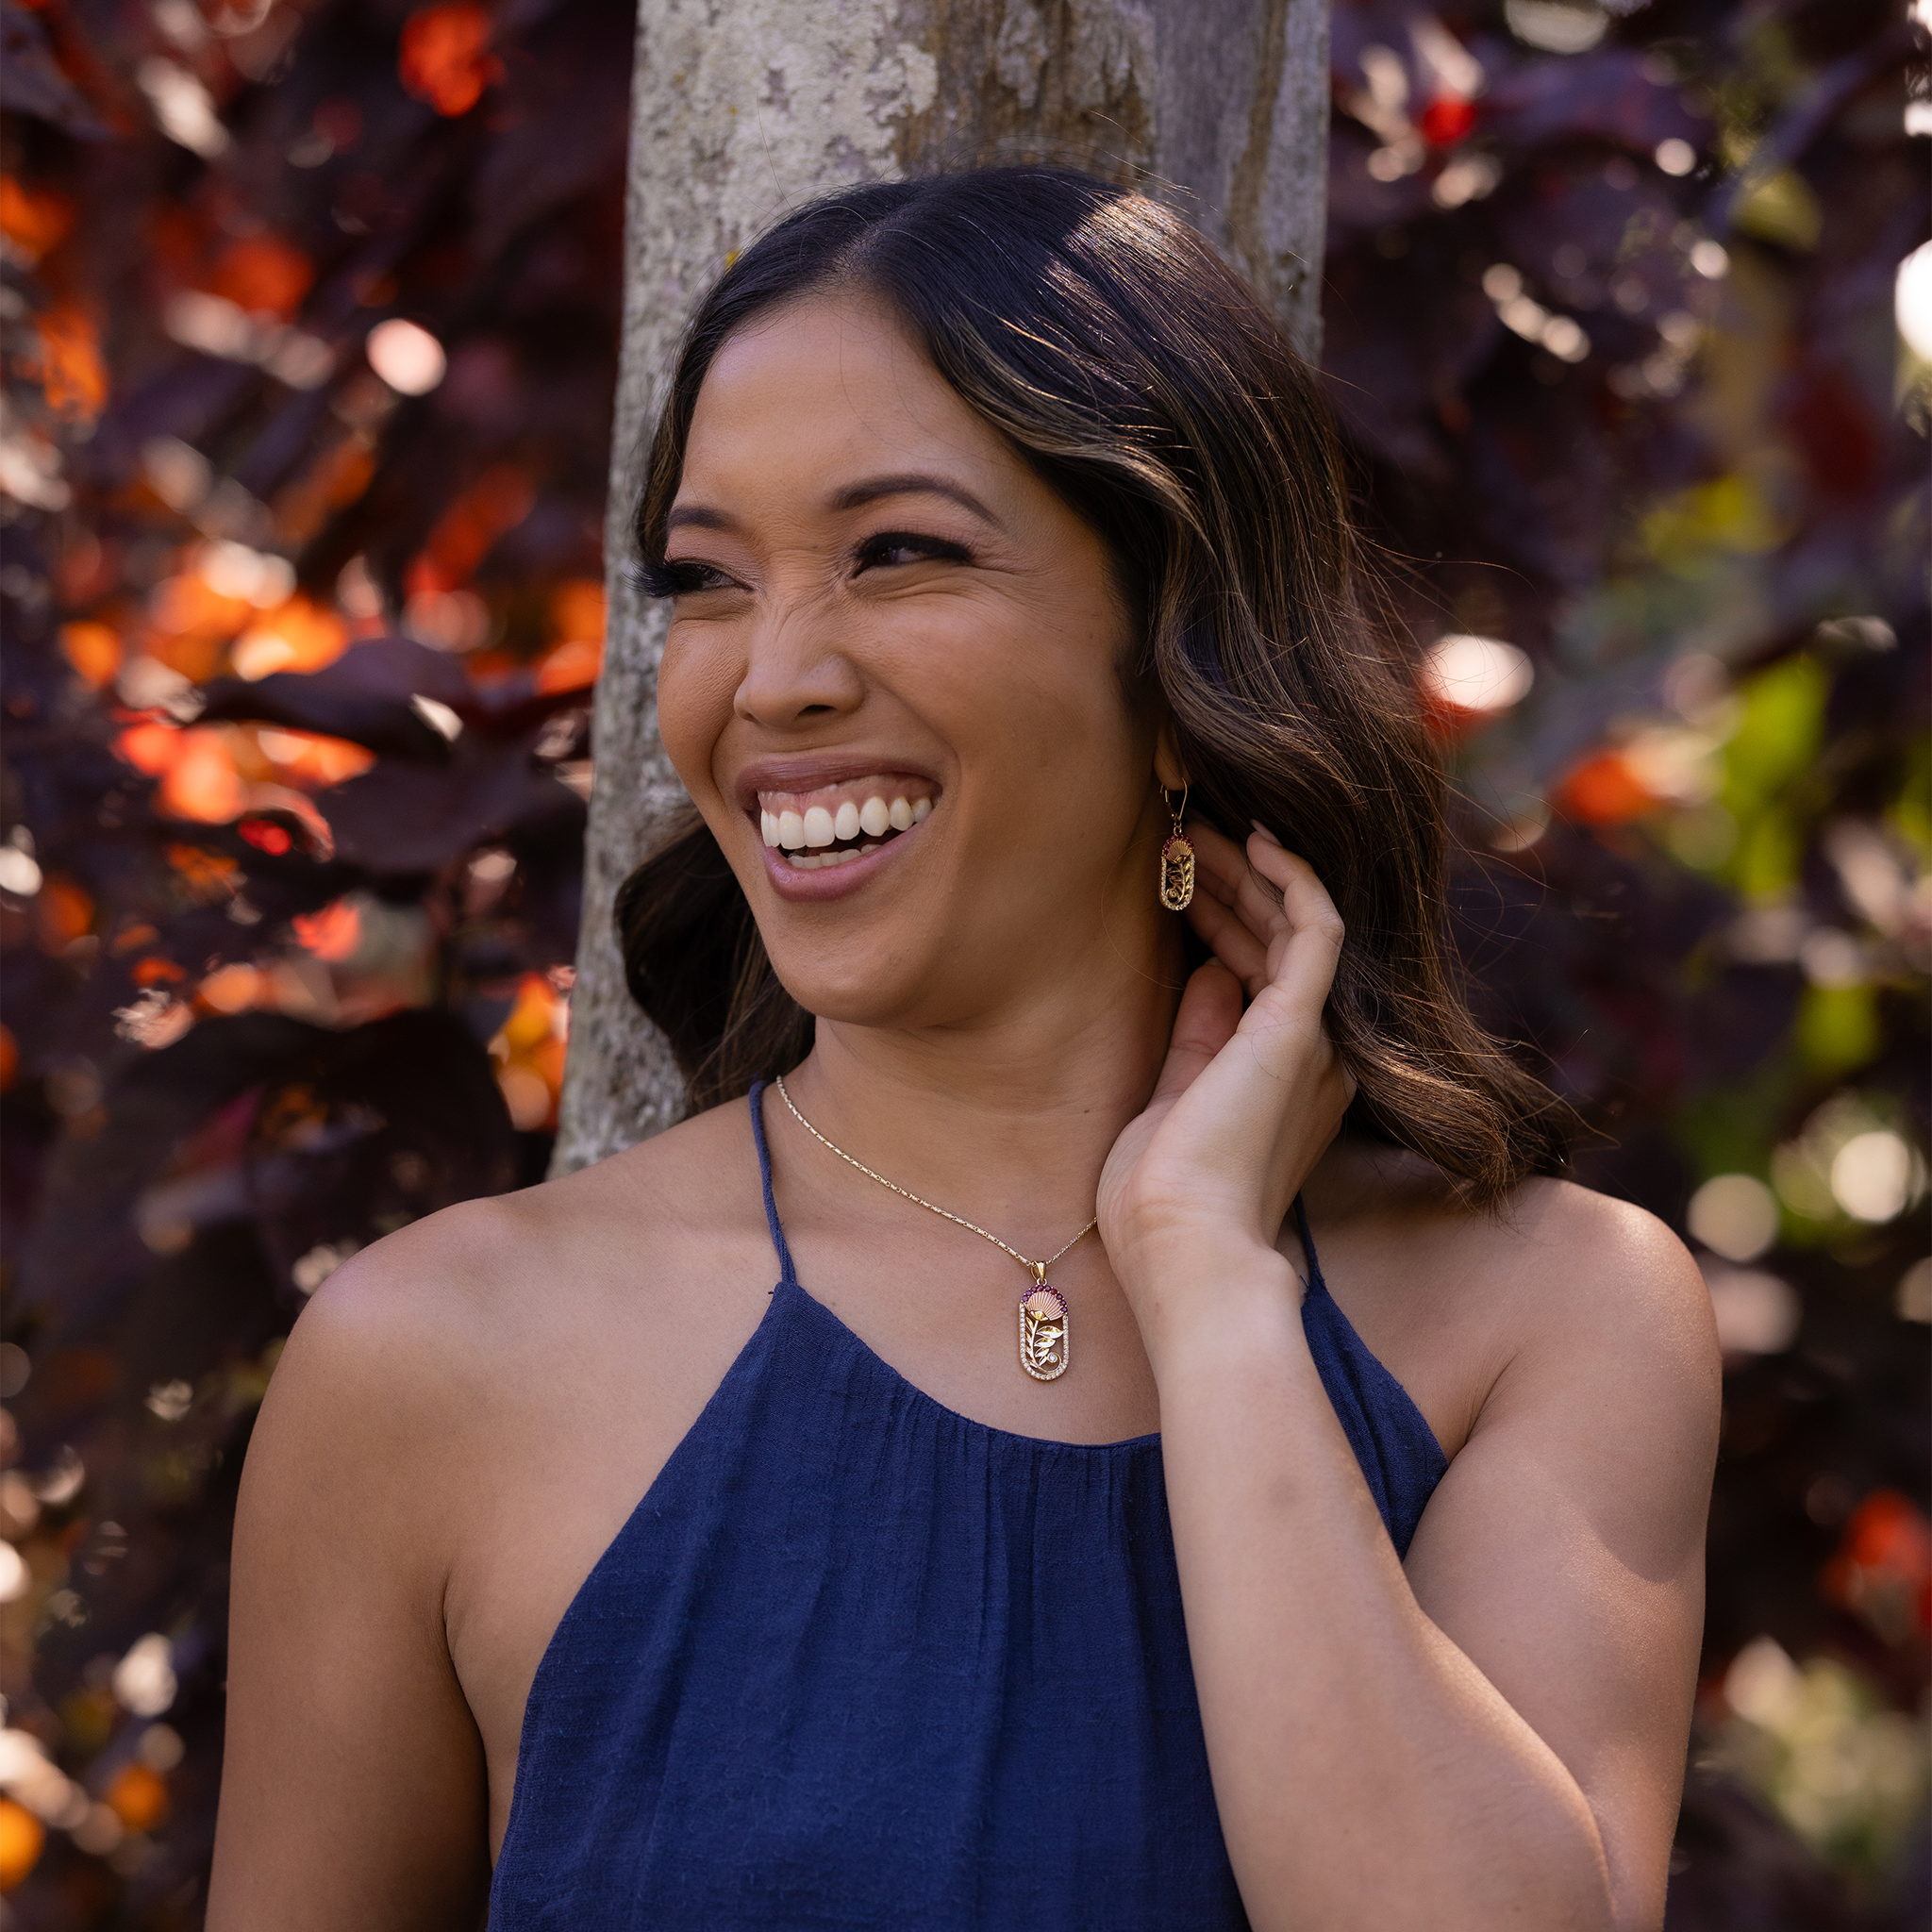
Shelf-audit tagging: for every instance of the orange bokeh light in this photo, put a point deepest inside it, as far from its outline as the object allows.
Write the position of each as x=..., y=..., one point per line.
x=307, y=758
x=529, y=1050
x=34, y=220
x=73, y=375
x=202, y=782
x=138, y=1796
x=1603, y=791
x=65, y=913
x=9, y=1059
x=209, y=875
x=152, y=747
x=571, y=665
x=264, y=275
x=94, y=650
x=576, y=609
x=299, y=635
x=22, y=1836
x=234, y=989
x=445, y=57
x=498, y=501
x=332, y=934
x=189, y=605
x=1883, y=1567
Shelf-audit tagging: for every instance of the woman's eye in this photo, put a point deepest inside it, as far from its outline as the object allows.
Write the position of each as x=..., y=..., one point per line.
x=678, y=578
x=896, y=547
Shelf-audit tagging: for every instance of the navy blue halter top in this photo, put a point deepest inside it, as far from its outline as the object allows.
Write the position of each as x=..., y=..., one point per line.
x=857, y=1661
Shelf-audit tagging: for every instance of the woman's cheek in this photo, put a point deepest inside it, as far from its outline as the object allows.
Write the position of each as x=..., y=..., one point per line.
x=695, y=681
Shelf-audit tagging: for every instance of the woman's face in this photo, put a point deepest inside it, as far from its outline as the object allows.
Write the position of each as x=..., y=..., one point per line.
x=890, y=685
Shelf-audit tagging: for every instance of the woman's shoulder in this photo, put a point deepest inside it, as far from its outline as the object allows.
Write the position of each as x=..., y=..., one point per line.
x=1557, y=1286
x=449, y=1318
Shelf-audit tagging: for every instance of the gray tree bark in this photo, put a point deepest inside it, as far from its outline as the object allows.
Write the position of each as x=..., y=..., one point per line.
x=741, y=109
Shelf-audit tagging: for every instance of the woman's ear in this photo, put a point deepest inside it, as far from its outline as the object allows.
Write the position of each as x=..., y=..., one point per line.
x=1168, y=768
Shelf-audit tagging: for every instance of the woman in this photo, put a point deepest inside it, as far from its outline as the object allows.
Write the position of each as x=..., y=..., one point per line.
x=1013, y=595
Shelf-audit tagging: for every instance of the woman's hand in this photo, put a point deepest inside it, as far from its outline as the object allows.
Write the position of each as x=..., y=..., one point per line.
x=1246, y=1102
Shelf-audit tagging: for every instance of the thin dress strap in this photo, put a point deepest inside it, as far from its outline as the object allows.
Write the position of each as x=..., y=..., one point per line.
x=1316, y=1285
x=787, y=1272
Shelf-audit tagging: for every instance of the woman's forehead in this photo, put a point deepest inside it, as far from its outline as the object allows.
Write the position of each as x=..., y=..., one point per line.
x=828, y=391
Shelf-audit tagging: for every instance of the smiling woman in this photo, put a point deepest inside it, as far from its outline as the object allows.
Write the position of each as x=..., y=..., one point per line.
x=1008, y=553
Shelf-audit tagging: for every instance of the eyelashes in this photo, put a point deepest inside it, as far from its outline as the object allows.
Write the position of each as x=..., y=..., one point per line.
x=887, y=549
x=881, y=549
x=653, y=579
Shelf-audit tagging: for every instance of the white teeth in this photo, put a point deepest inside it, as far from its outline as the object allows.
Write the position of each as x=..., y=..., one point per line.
x=824, y=825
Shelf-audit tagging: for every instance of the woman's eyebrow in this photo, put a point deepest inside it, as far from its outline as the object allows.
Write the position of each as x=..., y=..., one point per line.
x=873, y=490
x=912, y=483
x=698, y=515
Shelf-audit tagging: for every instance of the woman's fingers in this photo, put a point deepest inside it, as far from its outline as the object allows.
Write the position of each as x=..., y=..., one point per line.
x=1211, y=1010
x=1305, y=902
x=1234, y=944
x=1259, y=903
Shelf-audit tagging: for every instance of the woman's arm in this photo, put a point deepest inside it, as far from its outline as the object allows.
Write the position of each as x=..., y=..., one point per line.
x=1494, y=1738
x=353, y=1791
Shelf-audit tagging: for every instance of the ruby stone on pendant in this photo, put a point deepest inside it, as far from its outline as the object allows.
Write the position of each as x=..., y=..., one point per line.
x=1043, y=1334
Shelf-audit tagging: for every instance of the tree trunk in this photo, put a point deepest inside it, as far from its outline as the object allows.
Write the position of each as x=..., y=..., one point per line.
x=741, y=109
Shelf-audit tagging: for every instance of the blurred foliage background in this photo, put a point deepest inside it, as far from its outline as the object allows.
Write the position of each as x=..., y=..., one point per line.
x=310, y=315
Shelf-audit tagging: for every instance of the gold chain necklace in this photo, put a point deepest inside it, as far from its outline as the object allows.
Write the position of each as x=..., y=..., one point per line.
x=1044, y=1321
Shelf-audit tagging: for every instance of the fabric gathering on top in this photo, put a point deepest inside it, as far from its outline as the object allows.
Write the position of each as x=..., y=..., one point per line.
x=858, y=1662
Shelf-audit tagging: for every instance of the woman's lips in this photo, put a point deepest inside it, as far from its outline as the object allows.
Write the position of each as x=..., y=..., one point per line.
x=827, y=819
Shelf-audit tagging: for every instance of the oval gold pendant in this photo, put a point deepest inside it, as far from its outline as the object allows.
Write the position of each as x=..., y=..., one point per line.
x=1043, y=1334
x=1177, y=874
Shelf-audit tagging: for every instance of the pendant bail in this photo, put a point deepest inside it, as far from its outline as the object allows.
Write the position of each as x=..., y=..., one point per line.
x=1038, y=1269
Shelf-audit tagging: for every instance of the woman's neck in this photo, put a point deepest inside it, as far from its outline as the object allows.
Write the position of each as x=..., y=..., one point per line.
x=1010, y=1114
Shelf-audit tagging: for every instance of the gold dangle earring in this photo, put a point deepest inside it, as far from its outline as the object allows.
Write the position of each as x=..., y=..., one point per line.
x=1176, y=859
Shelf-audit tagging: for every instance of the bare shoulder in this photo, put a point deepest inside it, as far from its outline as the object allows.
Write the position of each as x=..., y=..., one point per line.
x=1467, y=1307
x=1586, y=1263
x=1602, y=1360
x=428, y=1339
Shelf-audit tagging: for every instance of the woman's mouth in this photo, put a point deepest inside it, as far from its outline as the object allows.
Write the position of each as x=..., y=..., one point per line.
x=836, y=824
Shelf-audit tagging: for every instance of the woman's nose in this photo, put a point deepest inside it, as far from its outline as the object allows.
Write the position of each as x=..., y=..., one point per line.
x=796, y=673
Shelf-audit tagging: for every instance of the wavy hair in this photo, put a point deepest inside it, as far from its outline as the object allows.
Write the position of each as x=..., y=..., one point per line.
x=1151, y=389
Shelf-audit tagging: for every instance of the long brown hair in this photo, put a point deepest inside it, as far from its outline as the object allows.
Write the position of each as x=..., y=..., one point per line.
x=1147, y=384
